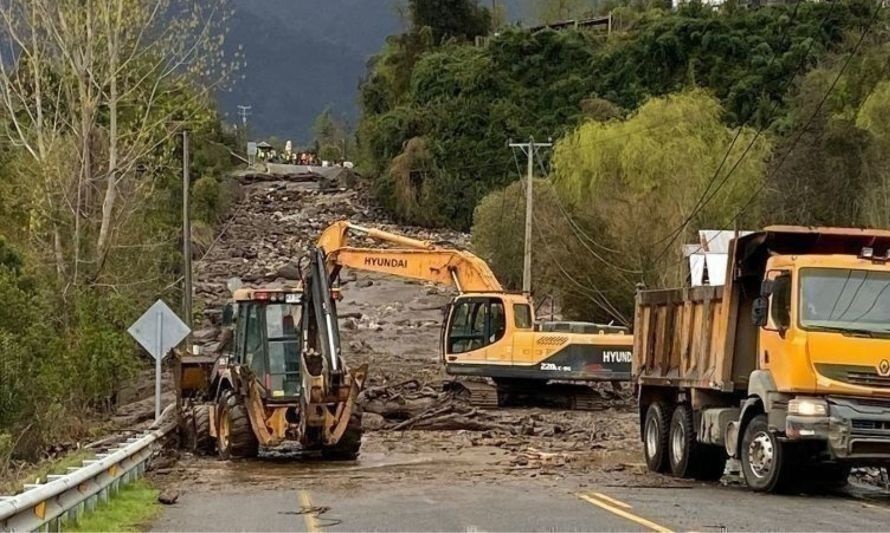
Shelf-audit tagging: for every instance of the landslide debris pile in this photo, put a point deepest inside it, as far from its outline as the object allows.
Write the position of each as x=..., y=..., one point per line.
x=391, y=324
x=412, y=405
x=269, y=231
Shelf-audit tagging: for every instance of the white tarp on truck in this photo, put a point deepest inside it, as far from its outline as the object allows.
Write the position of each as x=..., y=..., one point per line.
x=708, y=257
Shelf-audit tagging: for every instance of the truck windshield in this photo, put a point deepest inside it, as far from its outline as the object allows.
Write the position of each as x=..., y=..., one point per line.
x=837, y=299
x=284, y=349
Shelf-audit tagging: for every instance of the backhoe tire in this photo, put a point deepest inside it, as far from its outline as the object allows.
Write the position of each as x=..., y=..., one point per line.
x=688, y=457
x=235, y=438
x=655, y=437
x=766, y=461
x=198, y=438
x=347, y=449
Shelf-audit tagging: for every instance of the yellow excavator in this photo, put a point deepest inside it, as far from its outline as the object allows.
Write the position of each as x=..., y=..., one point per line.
x=488, y=331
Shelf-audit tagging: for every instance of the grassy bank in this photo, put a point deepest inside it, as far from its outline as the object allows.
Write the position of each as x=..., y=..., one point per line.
x=130, y=510
x=13, y=482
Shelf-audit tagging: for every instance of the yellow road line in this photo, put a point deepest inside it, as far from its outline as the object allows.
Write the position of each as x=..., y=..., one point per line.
x=601, y=496
x=308, y=515
x=624, y=513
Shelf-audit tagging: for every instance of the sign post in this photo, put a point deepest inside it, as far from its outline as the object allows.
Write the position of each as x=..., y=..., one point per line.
x=159, y=330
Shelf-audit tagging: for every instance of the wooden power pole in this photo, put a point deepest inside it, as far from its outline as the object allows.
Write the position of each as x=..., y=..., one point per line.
x=186, y=235
x=529, y=148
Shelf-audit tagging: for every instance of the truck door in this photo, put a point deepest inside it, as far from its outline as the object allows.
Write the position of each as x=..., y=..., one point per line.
x=772, y=338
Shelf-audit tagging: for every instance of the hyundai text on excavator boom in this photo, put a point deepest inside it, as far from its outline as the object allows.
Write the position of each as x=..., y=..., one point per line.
x=488, y=331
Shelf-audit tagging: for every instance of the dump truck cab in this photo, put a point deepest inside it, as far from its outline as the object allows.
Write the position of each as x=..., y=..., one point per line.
x=824, y=351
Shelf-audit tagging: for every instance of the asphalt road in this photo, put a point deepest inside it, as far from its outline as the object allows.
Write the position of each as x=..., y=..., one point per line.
x=515, y=506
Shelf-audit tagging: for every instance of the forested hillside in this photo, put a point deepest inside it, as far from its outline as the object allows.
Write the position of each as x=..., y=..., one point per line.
x=90, y=196
x=676, y=121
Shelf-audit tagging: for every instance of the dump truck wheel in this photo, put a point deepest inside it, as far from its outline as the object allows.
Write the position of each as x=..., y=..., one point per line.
x=655, y=437
x=764, y=462
x=235, y=438
x=688, y=457
x=350, y=443
x=681, y=442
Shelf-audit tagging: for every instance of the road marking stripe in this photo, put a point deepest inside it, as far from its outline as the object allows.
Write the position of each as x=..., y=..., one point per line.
x=625, y=514
x=308, y=515
x=613, y=501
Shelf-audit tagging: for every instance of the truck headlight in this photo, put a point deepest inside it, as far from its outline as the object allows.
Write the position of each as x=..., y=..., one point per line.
x=808, y=407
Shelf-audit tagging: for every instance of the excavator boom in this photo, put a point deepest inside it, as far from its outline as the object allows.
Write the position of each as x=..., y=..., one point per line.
x=415, y=259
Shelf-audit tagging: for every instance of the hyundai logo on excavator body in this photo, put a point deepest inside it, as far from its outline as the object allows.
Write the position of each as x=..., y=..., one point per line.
x=385, y=262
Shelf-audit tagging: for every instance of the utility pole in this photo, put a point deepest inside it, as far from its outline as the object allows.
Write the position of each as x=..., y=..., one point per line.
x=244, y=112
x=186, y=235
x=529, y=148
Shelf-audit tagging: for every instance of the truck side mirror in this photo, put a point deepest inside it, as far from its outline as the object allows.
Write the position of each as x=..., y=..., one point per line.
x=228, y=315
x=759, y=311
x=766, y=287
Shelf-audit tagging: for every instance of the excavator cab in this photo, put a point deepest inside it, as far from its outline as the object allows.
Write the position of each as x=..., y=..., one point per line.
x=477, y=321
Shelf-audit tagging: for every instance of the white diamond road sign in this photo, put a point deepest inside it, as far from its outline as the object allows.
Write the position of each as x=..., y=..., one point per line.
x=159, y=330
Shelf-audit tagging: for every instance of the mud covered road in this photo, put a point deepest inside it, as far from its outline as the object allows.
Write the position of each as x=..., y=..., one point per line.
x=514, y=469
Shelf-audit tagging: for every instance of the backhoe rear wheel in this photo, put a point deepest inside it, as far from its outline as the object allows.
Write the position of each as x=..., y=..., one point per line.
x=198, y=431
x=235, y=438
x=347, y=449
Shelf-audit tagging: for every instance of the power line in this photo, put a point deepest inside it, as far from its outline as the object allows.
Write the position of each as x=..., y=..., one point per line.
x=576, y=228
x=708, y=195
x=597, y=297
x=735, y=218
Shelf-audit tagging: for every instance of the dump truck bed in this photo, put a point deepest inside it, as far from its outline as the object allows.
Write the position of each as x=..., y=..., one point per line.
x=681, y=339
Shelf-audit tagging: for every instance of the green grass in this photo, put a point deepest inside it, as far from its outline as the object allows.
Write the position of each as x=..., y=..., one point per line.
x=130, y=510
x=41, y=470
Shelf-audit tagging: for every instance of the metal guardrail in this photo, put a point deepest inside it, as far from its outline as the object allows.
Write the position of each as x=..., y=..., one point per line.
x=65, y=498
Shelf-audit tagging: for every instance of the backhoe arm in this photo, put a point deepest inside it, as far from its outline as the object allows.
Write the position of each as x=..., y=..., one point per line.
x=414, y=259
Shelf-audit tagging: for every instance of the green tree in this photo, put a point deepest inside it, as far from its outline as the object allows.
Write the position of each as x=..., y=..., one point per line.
x=333, y=137
x=466, y=102
x=643, y=177
x=549, y=11
x=462, y=19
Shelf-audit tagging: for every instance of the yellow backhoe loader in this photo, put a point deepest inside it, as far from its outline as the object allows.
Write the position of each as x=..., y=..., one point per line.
x=282, y=381
x=488, y=331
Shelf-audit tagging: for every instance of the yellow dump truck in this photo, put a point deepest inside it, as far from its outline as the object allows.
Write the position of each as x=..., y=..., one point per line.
x=785, y=368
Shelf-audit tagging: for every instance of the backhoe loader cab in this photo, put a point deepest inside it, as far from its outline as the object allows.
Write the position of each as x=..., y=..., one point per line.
x=267, y=339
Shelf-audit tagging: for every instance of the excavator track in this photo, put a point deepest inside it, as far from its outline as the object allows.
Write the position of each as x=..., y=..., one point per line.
x=477, y=393
x=527, y=393
x=577, y=397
